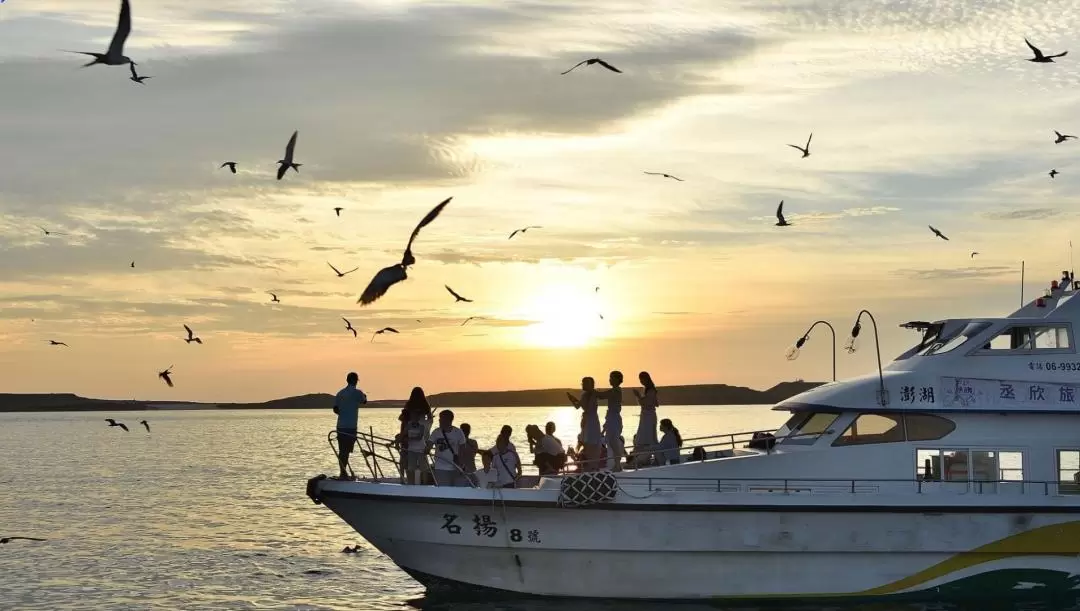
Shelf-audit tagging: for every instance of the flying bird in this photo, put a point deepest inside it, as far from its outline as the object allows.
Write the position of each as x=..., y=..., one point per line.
x=1062, y=137
x=164, y=375
x=457, y=297
x=1039, y=57
x=938, y=233
x=47, y=232
x=6, y=540
x=383, y=330
x=780, y=220
x=273, y=297
x=595, y=60
x=337, y=211
x=665, y=176
x=341, y=274
x=145, y=424
x=114, y=56
x=191, y=336
x=287, y=162
x=973, y=253
x=471, y=318
x=53, y=342
x=523, y=230
x=229, y=164
x=115, y=423
x=135, y=75
x=132, y=264
x=805, y=149
x=348, y=326
x=389, y=276
x=1053, y=173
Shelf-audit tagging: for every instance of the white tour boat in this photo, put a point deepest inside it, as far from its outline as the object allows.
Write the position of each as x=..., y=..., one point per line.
x=949, y=473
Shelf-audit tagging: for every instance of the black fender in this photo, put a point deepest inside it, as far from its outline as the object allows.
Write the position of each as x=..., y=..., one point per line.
x=312, y=489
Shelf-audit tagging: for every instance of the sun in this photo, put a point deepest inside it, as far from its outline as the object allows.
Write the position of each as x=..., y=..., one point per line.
x=563, y=320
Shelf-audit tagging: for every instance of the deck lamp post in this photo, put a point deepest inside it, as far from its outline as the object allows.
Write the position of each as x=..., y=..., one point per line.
x=853, y=345
x=793, y=352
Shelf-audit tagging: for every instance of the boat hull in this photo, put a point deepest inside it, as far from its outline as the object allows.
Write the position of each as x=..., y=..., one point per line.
x=526, y=544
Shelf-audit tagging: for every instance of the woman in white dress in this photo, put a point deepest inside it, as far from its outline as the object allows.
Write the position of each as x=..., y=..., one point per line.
x=645, y=440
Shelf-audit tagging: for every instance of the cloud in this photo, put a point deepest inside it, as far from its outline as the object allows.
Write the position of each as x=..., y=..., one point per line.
x=959, y=273
x=1022, y=214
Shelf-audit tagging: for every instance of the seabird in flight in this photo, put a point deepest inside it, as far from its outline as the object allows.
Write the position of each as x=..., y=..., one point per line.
x=191, y=336
x=383, y=330
x=805, y=149
x=164, y=375
x=348, y=326
x=1039, y=57
x=457, y=297
x=114, y=56
x=115, y=423
x=780, y=220
x=595, y=60
x=389, y=276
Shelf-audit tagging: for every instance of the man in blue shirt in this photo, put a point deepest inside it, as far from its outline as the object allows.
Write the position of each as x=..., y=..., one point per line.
x=347, y=406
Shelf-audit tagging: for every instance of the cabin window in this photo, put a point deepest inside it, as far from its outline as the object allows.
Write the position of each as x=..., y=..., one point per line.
x=925, y=427
x=804, y=429
x=969, y=465
x=890, y=428
x=1068, y=462
x=1028, y=338
x=872, y=428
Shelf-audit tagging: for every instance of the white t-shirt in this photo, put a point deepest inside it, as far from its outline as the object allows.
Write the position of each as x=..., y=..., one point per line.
x=550, y=445
x=443, y=441
x=505, y=465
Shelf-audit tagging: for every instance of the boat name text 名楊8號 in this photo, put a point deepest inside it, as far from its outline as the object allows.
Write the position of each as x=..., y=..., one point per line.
x=484, y=526
x=1054, y=365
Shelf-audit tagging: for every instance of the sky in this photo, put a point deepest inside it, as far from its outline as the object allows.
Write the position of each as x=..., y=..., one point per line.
x=923, y=113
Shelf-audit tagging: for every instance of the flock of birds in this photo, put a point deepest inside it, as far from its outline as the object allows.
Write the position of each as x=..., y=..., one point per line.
x=393, y=274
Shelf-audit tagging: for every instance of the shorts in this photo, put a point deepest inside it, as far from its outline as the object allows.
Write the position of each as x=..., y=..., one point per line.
x=346, y=439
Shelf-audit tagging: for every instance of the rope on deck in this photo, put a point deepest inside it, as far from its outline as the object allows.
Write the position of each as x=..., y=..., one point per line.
x=590, y=488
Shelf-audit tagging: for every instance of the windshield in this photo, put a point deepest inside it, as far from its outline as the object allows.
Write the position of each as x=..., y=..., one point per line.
x=804, y=428
x=955, y=340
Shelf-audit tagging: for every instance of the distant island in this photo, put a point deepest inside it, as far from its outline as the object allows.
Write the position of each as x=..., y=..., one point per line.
x=690, y=394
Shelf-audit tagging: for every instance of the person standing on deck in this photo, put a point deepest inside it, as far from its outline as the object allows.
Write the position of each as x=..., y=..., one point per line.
x=468, y=454
x=613, y=422
x=591, y=433
x=449, y=445
x=645, y=440
x=347, y=407
x=416, y=420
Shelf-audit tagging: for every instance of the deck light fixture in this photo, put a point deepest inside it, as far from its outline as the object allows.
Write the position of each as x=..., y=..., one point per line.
x=852, y=345
x=793, y=352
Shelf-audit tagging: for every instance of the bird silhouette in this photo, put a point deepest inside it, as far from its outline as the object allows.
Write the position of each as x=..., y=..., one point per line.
x=191, y=336
x=114, y=56
x=1062, y=137
x=145, y=424
x=48, y=233
x=53, y=342
x=287, y=162
x=341, y=274
x=973, y=253
x=471, y=318
x=348, y=326
x=389, y=276
x=383, y=330
x=351, y=550
x=273, y=297
x=6, y=540
x=590, y=62
x=805, y=149
x=665, y=176
x=337, y=211
x=1040, y=58
x=132, y=264
x=938, y=233
x=135, y=75
x=229, y=164
x=115, y=423
x=457, y=297
x=780, y=220
x=1053, y=172
x=522, y=231
x=164, y=375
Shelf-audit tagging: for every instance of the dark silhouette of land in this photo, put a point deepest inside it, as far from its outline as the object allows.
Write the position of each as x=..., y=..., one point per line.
x=691, y=394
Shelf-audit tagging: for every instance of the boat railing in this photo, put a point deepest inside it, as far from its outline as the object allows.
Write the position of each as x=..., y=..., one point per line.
x=382, y=457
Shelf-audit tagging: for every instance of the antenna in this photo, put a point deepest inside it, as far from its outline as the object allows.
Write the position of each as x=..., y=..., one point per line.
x=1021, y=284
x=1072, y=270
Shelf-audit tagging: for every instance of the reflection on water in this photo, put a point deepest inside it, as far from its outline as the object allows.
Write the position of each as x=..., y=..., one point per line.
x=209, y=512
